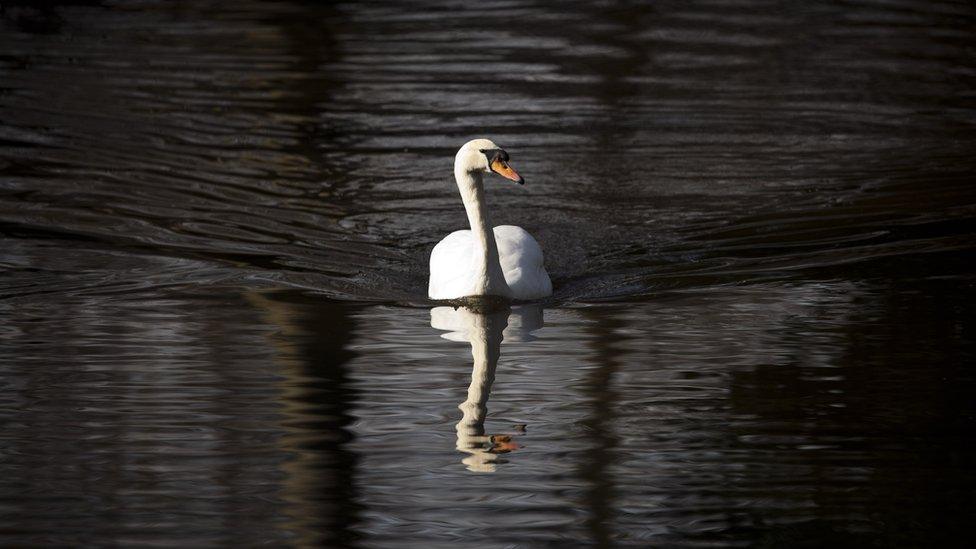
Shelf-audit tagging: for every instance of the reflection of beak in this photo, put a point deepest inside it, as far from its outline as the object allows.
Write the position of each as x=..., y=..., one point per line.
x=502, y=168
x=502, y=444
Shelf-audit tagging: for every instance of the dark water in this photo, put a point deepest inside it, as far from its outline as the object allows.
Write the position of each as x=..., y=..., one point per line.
x=758, y=216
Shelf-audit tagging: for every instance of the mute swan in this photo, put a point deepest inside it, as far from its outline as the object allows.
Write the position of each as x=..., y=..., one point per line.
x=505, y=261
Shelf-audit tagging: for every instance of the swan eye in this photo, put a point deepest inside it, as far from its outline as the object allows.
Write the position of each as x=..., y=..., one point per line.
x=493, y=155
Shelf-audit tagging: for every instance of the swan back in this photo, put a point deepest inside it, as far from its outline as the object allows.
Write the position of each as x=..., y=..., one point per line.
x=522, y=263
x=520, y=256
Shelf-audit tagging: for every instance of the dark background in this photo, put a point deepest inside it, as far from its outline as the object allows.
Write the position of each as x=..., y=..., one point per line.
x=214, y=226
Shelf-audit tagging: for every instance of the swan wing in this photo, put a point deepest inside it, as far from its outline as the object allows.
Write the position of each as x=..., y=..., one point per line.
x=450, y=263
x=522, y=262
x=520, y=256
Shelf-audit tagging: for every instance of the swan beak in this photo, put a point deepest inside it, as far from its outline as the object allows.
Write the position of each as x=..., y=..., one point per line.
x=502, y=168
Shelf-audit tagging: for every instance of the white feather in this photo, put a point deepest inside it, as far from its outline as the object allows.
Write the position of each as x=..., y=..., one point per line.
x=519, y=254
x=465, y=263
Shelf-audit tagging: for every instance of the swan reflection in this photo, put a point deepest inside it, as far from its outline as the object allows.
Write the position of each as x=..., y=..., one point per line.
x=485, y=331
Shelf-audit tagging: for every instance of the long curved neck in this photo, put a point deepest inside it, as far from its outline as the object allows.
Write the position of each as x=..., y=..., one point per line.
x=488, y=276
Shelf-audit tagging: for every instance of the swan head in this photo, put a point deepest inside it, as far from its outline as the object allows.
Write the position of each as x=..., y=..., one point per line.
x=484, y=156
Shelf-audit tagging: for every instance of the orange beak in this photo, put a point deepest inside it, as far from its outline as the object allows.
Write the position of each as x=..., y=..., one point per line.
x=502, y=168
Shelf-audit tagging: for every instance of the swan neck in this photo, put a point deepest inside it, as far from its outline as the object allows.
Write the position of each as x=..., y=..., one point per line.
x=489, y=278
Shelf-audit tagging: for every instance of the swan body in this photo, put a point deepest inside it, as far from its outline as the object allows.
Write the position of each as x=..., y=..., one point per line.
x=504, y=261
x=519, y=254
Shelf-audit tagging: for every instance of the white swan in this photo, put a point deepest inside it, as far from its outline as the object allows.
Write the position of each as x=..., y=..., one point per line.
x=505, y=261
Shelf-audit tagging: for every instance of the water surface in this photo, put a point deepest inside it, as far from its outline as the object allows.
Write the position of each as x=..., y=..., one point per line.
x=759, y=221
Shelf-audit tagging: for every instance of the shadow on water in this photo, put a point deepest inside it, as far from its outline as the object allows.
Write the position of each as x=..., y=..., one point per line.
x=897, y=390
x=178, y=419
x=312, y=351
x=595, y=470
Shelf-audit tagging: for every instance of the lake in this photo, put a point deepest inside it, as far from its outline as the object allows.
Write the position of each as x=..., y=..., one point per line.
x=759, y=219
